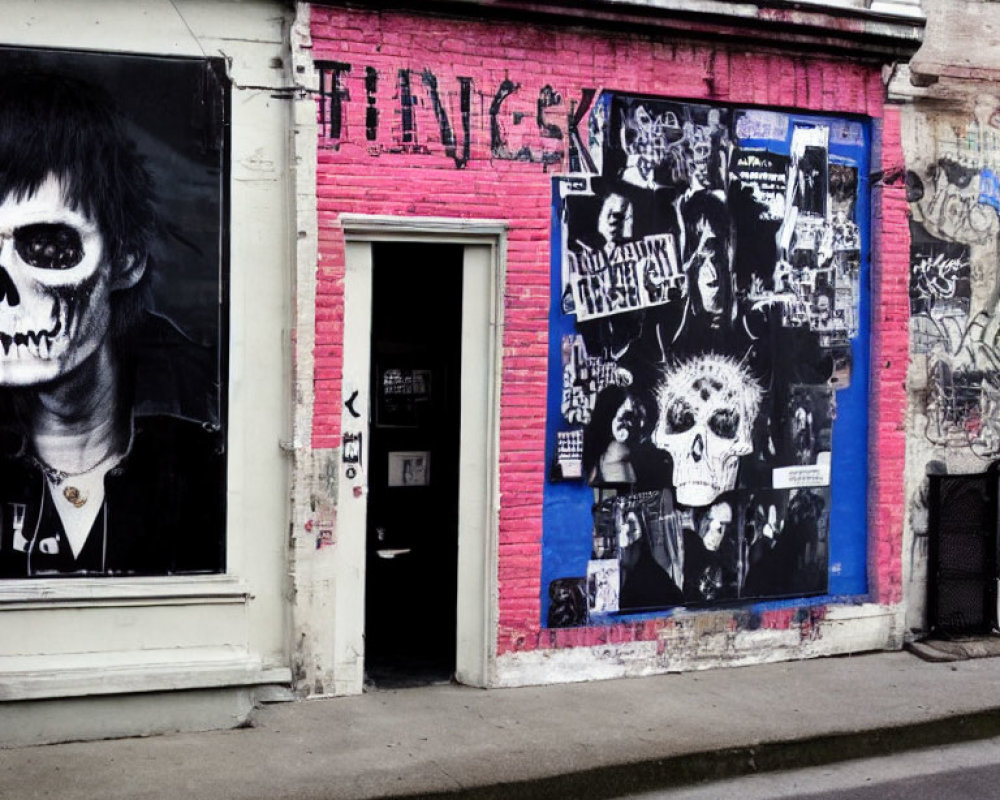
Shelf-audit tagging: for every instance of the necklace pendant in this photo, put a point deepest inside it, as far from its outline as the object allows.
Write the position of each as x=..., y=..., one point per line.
x=75, y=496
x=55, y=476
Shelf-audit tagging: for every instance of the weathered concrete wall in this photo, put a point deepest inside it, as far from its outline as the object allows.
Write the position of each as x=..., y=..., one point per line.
x=951, y=140
x=433, y=117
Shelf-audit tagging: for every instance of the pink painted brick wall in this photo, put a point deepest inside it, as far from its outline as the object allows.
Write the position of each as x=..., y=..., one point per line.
x=890, y=356
x=358, y=175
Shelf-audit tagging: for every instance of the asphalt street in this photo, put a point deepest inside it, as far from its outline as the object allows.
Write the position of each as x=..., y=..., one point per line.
x=969, y=771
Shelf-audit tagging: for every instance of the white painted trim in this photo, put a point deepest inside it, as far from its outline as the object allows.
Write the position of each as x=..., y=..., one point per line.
x=49, y=682
x=899, y=8
x=348, y=584
x=381, y=227
x=79, y=592
x=479, y=502
x=482, y=335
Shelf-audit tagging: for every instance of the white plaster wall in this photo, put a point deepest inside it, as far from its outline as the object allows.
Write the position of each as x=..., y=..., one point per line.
x=320, y=665
x=102, y=636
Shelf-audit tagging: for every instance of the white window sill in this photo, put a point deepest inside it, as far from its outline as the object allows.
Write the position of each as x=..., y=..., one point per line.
x=78, y=592
x=83, y=674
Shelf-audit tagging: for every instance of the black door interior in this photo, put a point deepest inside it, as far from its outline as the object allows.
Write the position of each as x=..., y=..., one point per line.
x=412, y=536
x=964, y=555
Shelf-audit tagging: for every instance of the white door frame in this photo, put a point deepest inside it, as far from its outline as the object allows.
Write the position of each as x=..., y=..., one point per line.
x=482, y=329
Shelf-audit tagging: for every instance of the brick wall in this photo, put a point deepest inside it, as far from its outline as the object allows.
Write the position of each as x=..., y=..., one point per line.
x=381, y=155
x=889, y=360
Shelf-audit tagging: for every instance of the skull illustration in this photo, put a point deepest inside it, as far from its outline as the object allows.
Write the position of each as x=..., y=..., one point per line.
x=707, y=406
x=55, y=286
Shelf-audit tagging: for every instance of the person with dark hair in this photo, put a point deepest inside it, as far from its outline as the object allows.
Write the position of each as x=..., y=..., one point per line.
x=810, y=181
x=711, y=556
x=567, y=603
x=644, y=564
x=109, y=462
x=785, y=556
x=707, y=254
x=615, y=426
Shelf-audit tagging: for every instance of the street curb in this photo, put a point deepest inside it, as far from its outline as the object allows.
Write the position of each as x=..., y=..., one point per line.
x=617, y=780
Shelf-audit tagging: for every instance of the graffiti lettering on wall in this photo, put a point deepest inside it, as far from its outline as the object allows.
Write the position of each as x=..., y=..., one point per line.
x=962, y=353
x=112, y=404
x=414, y=112
x=706, y=293
x=955, y=202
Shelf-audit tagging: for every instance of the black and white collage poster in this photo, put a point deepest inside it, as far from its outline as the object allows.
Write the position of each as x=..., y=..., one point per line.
x=705, y=297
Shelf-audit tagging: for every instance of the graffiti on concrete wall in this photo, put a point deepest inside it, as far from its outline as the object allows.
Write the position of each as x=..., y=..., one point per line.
x=954, y=375
x=954, y=333
x=706, y=291
x=958, y=202
x=112, y=389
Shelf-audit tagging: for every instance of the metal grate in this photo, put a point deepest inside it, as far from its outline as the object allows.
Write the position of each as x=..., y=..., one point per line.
x=962, y=591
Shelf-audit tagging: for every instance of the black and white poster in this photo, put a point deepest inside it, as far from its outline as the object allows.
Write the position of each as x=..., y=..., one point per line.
x=706, y=299
x=113, y=314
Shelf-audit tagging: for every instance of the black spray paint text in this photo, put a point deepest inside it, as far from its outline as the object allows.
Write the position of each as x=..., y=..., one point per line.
x=413, y=112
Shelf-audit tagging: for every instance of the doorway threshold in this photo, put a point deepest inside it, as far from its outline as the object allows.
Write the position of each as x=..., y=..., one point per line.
x=410, y=673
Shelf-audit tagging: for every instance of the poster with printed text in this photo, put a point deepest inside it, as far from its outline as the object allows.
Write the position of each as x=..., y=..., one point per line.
x=707, y=326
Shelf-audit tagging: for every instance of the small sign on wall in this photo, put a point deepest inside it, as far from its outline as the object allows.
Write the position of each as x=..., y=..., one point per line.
x=352, y=448
x=410, y=468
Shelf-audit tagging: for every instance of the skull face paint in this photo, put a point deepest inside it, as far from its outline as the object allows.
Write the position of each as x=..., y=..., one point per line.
x=707, y=406
x=55, y=287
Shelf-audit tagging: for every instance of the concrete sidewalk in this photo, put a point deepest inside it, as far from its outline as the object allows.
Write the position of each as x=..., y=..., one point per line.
x=588, y=740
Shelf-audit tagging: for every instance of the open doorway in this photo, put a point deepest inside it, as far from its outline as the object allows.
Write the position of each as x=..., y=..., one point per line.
x=462, y=618
x=411, y=558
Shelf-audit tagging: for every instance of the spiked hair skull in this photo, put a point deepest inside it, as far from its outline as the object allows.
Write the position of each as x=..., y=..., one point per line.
x=706, y=408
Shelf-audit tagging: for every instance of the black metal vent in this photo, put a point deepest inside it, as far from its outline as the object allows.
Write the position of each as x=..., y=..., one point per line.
x=962, y=591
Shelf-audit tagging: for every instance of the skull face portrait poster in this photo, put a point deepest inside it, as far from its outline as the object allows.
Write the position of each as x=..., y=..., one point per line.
x=707, y=361
x=113, y=283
